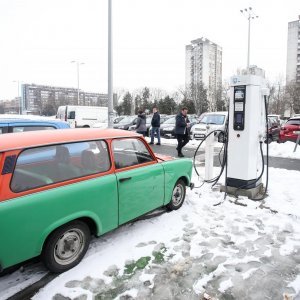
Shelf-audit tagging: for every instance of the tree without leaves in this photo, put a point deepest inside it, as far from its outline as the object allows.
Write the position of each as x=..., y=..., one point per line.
x=293, y=96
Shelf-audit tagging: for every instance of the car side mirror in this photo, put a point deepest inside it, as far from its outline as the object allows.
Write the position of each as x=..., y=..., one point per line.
x=134, y=123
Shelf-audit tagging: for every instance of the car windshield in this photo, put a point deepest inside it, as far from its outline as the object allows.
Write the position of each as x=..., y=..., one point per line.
x=213, y=119
x=293, y=122
x=127, y=120
x=170, y=121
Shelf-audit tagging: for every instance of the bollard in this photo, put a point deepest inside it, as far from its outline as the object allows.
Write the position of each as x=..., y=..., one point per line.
x=209, y=153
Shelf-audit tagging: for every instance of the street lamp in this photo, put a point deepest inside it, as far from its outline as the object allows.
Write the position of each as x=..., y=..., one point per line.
x=78, y=64
x=250, y=15
x=19, y=98
x=110, y=68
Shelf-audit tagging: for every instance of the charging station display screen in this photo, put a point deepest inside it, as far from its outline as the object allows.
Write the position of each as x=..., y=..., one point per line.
x=239, y=107
x=239, y=118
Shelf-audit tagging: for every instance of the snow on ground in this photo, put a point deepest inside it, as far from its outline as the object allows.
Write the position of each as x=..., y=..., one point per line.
x=284, y=150
x=236, y=249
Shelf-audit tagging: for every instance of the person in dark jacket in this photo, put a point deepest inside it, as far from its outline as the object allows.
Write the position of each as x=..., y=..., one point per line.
x=182, y=130
x=141, y=123
x=155, y=123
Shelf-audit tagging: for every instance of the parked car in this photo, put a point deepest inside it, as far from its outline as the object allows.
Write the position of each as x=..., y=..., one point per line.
x=217, y=119
x=126, y=123
x=118, y=119
x=60, y=187
x=273, y=130
x=167, y=129
x=8, y=125
x=82, y=116
x=290, y=130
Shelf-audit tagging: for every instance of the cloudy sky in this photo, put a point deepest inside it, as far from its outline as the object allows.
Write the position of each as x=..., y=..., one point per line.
x=39, y=39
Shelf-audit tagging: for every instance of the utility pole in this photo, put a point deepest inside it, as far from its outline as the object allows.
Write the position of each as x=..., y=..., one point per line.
x=250, y=15
x=77, y=64
x=110, y=68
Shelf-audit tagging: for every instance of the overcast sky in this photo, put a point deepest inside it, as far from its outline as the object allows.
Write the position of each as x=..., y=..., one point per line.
x=39, y=39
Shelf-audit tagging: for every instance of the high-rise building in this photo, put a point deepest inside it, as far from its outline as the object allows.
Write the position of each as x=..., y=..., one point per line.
x=293, y=52
x=36, y=97
x=203, y=65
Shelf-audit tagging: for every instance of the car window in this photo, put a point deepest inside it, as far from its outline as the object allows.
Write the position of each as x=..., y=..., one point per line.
x=170, y=121
x=293, y=122
x=42, y=166
x=30, y=128
x=130, y=152
x=213, y=119
x=1, y=130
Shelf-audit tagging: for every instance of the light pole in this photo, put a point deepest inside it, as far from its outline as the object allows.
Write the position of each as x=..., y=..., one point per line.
x=78, y=64
x=250, y=15
x=19, y=98
x=110, y=66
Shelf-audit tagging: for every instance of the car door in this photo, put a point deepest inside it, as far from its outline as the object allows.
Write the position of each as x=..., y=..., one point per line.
x=140, y=179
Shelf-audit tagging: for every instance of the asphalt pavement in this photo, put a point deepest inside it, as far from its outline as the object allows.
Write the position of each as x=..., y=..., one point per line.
x=274, y=162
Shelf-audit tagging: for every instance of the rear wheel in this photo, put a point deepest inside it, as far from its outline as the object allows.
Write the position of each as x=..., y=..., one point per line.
x=86, y=126
x=66, y=246
x=178, y=195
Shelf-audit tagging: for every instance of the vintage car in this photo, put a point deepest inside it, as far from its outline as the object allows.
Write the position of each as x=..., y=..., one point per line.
x=60, y=187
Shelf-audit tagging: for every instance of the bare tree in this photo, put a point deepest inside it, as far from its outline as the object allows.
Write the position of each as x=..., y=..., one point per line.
x=293, y=96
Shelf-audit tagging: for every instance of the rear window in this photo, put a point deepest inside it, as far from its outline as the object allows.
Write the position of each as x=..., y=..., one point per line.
x=42, y=166
x=293, y=122
x=31, y=128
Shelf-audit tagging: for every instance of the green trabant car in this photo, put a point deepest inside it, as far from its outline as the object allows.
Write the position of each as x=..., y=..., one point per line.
x=60, y=187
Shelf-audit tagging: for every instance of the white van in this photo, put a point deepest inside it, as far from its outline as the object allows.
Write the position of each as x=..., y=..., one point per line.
x=217, y=119
x=82, y=116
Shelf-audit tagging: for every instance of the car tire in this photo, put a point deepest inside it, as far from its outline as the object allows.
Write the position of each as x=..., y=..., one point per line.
x=178, y=195
x=66, y=246
x=86, y=126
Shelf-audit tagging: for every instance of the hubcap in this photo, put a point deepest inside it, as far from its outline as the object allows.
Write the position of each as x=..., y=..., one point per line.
x=69, y=246
x=177, y=196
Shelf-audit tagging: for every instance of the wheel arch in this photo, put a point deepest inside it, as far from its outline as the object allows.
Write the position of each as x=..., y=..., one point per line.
x=90, y=219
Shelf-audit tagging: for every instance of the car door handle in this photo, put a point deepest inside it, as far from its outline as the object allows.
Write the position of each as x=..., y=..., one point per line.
x=124, y=179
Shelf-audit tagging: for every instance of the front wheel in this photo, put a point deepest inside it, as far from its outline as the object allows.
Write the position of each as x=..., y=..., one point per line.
x=178, y=195
x=66, y=246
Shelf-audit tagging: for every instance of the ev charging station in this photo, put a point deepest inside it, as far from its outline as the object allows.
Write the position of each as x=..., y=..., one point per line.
x=246, y=134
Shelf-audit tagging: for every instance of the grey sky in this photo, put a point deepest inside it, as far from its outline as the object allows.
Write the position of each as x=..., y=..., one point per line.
x=39, y=38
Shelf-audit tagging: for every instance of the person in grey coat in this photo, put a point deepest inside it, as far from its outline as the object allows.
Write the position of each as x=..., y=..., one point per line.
x=141, y=123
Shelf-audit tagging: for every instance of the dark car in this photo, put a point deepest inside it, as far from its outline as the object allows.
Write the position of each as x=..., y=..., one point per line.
x=126, y=123
x=167, y=129
x=290, y=130
x=273, y=130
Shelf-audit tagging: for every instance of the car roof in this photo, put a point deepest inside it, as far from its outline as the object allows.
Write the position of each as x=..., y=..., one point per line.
x=30, y=139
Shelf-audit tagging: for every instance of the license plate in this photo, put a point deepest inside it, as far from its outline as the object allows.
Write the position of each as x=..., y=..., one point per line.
x=199, y=135
x=296, y=132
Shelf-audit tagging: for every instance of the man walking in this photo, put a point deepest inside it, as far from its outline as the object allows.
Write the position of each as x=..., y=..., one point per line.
x=182, y=130
x=155, y=123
